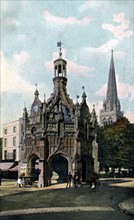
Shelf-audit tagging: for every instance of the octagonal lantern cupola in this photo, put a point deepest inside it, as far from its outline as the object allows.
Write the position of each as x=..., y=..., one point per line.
x=60, y=65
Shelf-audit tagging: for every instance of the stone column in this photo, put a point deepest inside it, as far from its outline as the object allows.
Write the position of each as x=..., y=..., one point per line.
x=95, y=156
x=41, y=176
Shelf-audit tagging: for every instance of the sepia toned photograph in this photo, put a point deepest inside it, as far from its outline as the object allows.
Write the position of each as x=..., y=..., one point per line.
x=67, y=110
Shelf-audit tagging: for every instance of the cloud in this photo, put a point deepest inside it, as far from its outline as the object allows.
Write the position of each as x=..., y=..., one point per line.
x=22, y=58
x=9, y=16
x=129, y=115
x=12, y=82
x=10, y=9
x=90, y=4
x=72, y=67
x=80, y=70
x=120, y=31
x=65, y=21
x=21, y=37
x=102, y=91
x=10, y=23
x=105, y=48
x=119, y=54
x=125, y=91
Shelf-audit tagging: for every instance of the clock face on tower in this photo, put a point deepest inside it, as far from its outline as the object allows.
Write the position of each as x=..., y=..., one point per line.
x=36, y=108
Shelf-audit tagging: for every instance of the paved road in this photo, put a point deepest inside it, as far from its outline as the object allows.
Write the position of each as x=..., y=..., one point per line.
x=95, y=208
x=67, y=213
x=71, y=214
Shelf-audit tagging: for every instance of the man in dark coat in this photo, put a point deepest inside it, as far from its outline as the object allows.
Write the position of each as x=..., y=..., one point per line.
x=69, y=178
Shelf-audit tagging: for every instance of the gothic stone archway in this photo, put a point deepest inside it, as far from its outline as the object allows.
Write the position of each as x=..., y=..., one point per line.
x=33, y=166
x=59, y=168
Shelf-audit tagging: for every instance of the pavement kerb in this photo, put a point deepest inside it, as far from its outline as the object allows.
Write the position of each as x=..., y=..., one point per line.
x=127, y=206
x=54, y=209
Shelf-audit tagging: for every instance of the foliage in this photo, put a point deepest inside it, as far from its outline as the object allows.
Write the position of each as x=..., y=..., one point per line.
x=116, y=144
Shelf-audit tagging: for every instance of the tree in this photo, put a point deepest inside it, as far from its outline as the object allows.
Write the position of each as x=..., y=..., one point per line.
x=128, y=140
x=116, y=144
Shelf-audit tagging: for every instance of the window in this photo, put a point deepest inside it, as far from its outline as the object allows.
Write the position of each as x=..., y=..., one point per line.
x=14, y=129
x=5, y=131
x=14, y=141
x=59, y=68
x=5, y=154
x=14, y=154
x=5, y=142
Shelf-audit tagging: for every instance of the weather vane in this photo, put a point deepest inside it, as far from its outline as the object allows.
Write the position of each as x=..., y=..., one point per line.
x=59, y=45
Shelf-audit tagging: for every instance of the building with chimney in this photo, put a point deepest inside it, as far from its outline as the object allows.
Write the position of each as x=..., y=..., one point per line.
x=58, y=135
x=111, y=105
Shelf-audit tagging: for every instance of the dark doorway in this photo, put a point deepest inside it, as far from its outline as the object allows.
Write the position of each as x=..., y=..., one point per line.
x=33, y=167
x=84, y=170
x=59, y=169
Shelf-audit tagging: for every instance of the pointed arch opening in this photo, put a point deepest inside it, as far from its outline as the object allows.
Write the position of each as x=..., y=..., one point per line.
x=33, y=166
x=59, y=69
x=59, y=169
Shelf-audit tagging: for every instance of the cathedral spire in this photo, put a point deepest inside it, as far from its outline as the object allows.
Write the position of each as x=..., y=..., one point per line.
x=111, y=106
x=111, y=96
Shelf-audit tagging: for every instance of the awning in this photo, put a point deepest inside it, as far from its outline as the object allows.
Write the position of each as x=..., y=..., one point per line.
x=11, y=166
x=14, y=166
x=5, y=165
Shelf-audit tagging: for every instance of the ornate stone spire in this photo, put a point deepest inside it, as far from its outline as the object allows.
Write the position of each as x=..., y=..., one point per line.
x=36, y=93
x=111, y=97
x=94, y=116
x=60, y=81
x=111, y=106
x=84, y=94
x=44, y=98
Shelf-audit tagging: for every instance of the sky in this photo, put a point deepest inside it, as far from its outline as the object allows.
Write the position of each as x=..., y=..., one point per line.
x=89, y=30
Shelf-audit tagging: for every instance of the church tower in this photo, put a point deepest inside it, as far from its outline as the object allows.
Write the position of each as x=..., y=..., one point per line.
x=111, y=106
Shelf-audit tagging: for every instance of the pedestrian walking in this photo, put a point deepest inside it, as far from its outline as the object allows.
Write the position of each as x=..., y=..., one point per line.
x=69, y=179
x=19, y=182
x=76, y=179
x=93, y=183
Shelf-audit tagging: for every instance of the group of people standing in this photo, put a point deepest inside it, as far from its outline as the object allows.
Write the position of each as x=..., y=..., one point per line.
x=76, y=180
